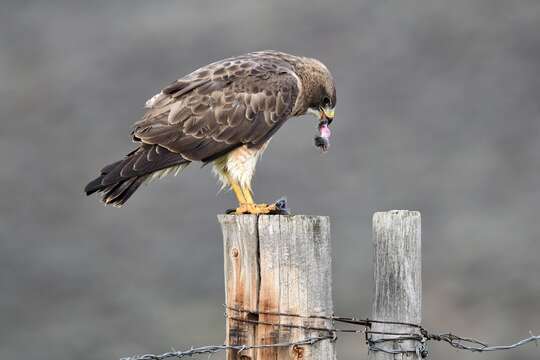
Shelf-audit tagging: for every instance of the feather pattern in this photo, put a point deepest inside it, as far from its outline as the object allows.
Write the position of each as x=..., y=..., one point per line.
x=222, y=106
x=119, y=180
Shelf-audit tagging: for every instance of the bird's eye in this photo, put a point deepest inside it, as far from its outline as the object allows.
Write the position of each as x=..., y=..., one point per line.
x=325, y=101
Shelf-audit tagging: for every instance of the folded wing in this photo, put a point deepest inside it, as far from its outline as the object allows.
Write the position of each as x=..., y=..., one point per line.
x=234, y=102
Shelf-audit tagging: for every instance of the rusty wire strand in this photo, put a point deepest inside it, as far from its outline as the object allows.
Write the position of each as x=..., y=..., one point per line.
x=294, y=326
x=348, y=320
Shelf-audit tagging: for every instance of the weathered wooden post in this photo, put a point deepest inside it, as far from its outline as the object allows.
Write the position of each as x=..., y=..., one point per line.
x=398, y=281
x=277, y=264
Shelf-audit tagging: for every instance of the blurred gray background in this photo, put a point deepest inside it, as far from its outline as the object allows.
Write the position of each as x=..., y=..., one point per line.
x=438, y=111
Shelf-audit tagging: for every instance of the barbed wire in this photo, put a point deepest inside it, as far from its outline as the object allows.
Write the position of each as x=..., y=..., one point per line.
x=348, y=320
x=455, y=341
x=212, y=349
x=420, y=338
x=478, y=346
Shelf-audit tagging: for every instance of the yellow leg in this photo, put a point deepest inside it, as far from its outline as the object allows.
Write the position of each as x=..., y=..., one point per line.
x=237, y=190
x=248, y=195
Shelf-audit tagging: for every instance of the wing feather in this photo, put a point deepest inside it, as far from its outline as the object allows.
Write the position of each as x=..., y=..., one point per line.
x=234, y=102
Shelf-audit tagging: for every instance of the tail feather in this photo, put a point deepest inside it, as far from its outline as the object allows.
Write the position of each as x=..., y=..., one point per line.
x=115, y=192
x=119, y=180
x=123, y=191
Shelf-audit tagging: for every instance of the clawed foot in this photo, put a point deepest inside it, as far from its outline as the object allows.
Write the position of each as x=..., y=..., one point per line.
x=256, y=209
x=278, y=208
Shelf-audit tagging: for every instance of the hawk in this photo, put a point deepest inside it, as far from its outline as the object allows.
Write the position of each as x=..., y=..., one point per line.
x=224, y=113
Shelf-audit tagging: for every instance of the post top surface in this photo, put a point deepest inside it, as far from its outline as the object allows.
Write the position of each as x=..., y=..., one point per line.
x=397, y=213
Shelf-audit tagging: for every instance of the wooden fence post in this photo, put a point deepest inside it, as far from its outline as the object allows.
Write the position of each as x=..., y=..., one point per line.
x=277, y=264
x=398, y=281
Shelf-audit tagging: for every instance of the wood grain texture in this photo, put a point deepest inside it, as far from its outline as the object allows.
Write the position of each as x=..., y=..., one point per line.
x=241, y=278
x=292, y=268
x=397, y=275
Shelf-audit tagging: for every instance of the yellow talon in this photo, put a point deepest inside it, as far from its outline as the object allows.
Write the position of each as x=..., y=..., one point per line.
x=255, y=209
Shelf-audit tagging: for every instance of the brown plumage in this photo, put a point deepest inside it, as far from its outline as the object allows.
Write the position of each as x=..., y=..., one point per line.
x=224, y=113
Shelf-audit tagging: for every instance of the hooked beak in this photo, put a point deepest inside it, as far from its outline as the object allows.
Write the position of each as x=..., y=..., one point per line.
x=326, y=114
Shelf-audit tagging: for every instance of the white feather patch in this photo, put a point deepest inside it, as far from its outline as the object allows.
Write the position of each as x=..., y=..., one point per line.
x=153, y=100
x=239, y=164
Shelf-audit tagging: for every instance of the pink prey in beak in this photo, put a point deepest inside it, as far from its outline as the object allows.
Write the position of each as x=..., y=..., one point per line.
x=322, y=141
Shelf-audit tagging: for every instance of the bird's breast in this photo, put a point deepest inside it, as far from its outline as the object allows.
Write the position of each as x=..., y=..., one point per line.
x=240, y=164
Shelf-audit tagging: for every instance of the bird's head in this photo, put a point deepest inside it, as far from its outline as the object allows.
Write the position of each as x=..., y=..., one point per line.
x=323, y=104
x=320, y=93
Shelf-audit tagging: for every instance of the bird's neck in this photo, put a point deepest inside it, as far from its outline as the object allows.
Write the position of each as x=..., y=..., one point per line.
x=310, y=74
